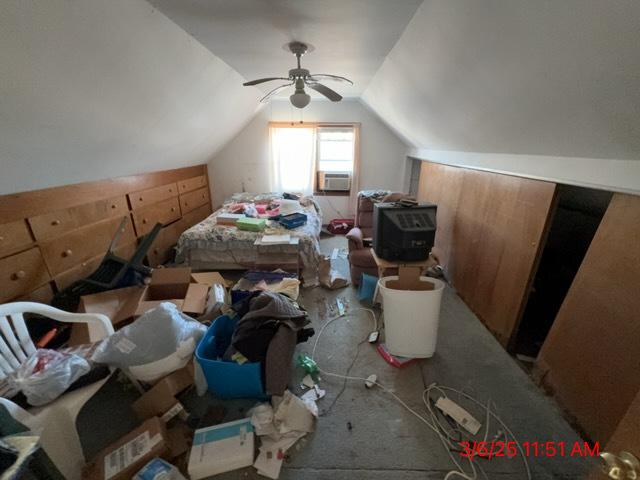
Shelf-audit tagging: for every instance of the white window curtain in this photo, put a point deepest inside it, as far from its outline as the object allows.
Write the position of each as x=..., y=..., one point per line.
x=293, y=153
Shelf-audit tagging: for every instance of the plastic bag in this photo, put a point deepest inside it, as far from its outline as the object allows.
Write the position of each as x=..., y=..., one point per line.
x=47, y=374
x=159, y=342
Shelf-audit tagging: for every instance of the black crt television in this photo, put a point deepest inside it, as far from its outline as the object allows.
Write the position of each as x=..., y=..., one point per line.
x=404, y=233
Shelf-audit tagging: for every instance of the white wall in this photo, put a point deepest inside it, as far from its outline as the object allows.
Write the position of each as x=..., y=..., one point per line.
x=244, y=162
x=545, y=83
x=92, y=89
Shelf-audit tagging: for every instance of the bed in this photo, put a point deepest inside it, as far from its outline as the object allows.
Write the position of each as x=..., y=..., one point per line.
x=211, y=246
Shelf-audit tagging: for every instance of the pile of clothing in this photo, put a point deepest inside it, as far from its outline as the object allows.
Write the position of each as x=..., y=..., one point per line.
x=270, y=326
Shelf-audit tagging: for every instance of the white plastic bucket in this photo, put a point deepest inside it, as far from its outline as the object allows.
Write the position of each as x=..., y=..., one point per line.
x=411, y=318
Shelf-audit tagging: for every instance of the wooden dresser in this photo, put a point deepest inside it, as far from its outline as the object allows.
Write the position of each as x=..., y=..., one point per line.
x=49, y=238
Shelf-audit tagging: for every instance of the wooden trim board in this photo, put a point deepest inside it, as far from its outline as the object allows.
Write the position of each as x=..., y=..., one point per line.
x=36, y=202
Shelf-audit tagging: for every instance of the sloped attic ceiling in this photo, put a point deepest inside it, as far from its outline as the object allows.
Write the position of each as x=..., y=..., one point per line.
x=351, y=37
x=95, y=89
x=540, y=77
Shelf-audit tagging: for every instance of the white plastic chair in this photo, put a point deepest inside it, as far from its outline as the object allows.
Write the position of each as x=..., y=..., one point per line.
x=56, y=420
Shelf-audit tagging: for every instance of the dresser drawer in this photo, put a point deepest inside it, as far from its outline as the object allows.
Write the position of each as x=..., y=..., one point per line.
x=86, y=268
x=192, y=184
x=196, y=216
x=44, y=294
x=57, y=223
x=14, y=236
x=70, y=250
x=144, y=198
x=164, y=212
x=22, y=273
x=192, y=200
x=162, y=249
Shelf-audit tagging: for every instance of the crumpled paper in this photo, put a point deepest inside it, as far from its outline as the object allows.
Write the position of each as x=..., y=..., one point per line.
x=280, y=425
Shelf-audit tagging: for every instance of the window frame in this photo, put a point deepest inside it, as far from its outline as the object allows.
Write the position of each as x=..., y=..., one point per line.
x=356, y=153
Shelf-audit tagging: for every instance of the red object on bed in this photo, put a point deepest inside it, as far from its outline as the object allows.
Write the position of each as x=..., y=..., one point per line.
x=340, y=226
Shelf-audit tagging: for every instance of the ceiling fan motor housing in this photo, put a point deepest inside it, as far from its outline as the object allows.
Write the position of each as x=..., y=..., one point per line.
x=298, y=73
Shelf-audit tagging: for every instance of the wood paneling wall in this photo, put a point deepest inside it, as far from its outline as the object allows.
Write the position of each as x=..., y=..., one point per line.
x=591, y=358
x=52, y=237
x=491, y=228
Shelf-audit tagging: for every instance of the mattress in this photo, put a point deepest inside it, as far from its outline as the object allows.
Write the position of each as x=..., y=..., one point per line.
x=208, y=245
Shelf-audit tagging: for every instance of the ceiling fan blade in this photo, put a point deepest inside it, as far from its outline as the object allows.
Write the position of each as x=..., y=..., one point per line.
x=268, y=96
x=326, y=76
x=326, y=91
x=262, y=80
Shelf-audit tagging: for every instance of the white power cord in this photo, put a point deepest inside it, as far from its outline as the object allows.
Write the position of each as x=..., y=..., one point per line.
x=434, y=423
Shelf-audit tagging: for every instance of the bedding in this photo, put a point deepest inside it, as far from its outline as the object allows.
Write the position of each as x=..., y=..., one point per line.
x=209, y=245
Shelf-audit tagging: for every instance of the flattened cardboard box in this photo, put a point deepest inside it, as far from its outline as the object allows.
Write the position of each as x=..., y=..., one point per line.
x=167, y=285
x=162, y=396
x=122, y=459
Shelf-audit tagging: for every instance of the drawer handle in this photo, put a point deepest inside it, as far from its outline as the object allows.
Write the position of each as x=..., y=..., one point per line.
x=144, y=220
x=173, y=209
x=67, y=253
x=203, y=196
x=170, y=190
x=18, y=275
x=186, y=204
x=113, y=205
x=55, y=222
x=140, y=199
x=156, y=251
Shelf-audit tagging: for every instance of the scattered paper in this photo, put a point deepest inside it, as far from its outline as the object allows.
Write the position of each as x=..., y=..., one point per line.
x=308, y=382
x=313, y=395
x=280, y=426
x=262, y=419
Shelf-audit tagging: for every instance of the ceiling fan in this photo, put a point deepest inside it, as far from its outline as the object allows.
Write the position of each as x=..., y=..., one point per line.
x=300, y=77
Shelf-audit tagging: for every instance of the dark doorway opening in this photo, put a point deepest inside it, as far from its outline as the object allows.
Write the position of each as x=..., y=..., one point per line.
x=574, y=223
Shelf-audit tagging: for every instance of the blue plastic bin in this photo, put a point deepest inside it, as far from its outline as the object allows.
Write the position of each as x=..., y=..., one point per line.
x=294, y=220
x=227, y=379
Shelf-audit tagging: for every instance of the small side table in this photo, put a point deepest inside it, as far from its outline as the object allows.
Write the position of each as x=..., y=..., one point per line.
x=408, y=272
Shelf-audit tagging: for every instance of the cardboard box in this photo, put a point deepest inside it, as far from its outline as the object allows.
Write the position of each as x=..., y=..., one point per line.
x=162, y=396
x=119, y=305
x=167, y=285
x=229, y=218
x=208, y=278
x=221, y=448
x=122, y=459
x=173, y=285
x=251, y=224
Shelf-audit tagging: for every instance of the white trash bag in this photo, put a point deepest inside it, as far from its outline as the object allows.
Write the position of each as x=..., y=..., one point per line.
x=47, y=374
x=159, y=342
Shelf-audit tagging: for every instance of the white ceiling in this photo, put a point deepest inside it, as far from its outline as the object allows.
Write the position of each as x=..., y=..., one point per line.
x=351, y=37
x=557, y=78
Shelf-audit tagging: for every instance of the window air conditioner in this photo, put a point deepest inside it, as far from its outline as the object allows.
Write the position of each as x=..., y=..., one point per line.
x=334, y=181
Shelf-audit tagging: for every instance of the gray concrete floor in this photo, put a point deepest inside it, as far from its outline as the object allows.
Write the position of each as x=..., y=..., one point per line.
x=368, y=435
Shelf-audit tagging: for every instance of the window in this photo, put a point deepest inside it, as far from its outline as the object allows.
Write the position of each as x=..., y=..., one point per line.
x=292, y=152
x=335, y=149
x=299, y=152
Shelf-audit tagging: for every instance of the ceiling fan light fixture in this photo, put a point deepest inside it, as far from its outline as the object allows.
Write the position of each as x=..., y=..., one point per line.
x=301, y=78
x=300, y=99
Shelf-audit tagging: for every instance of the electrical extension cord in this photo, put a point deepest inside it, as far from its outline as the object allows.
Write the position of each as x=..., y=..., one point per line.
x=434, y=424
